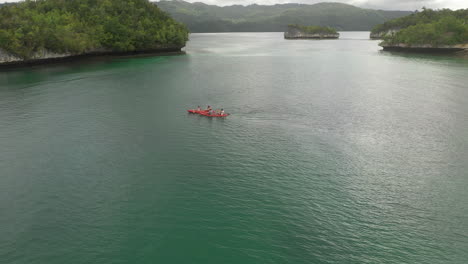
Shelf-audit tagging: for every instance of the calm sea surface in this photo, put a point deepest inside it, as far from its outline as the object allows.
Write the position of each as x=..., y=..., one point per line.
x=335, y=152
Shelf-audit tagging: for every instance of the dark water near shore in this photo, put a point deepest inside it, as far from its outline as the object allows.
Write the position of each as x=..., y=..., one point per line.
x=335, y=152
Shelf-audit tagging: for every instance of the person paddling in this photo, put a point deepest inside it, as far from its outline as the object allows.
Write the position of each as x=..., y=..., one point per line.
x=198, y=108
x=222, y=111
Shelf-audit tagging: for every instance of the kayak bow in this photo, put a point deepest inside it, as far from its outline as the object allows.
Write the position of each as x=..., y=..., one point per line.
x=195, y=111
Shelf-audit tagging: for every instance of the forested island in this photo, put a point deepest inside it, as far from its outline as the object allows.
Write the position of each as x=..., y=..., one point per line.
x=428, y=30
x=200, y=17
x=51, y=29
x=310, y=32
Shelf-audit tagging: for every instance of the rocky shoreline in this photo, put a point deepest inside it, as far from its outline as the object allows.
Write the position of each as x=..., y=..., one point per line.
x=426, y=48
x=382, y=34
x=313, y=36
x=44, y=56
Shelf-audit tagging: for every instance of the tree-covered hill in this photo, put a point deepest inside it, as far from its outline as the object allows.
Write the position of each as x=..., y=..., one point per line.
x=201, y=17
x=429, y=27
x=81, y=26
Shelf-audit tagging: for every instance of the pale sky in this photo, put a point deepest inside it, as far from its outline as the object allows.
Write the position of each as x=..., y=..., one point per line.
x=375, y=4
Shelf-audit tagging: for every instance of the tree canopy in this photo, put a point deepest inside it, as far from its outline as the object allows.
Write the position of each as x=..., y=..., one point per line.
x=79, y=26
x=434, y=27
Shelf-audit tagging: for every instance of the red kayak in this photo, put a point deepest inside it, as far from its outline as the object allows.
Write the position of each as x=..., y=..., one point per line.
x=205, y=113
x=212, y=115
x=195, y=111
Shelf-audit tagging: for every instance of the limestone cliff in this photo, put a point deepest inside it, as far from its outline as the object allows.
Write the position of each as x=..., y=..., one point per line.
x=425, y=47
x=382, y=34
x=43, y=56
x=301, y=32
x=6, y=57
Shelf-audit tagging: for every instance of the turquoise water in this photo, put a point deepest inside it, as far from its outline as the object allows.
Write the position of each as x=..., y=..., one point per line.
x=335, y=152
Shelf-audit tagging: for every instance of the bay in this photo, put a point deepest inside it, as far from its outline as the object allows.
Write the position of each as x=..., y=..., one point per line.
x=334, y=152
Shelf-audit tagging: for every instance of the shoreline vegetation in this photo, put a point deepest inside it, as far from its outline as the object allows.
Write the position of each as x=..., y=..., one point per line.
x=45, y=31
x=426, y=31
x=32, y=32
x=295, y=31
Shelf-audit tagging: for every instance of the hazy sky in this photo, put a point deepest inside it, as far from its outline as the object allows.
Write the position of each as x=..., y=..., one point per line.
x=377, y=4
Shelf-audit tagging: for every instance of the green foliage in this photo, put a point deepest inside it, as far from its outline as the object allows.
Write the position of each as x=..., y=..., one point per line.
x=201, y=17
x=425, y=16
x=443, y=27
x=314, y=29
x=85, y=25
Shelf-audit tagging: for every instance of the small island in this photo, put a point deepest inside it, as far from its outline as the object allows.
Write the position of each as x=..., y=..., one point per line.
x=41, y=31
x=310, y=32
x=442, y=31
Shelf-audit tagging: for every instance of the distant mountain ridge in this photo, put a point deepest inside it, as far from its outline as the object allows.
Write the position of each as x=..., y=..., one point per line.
x=200, y=17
